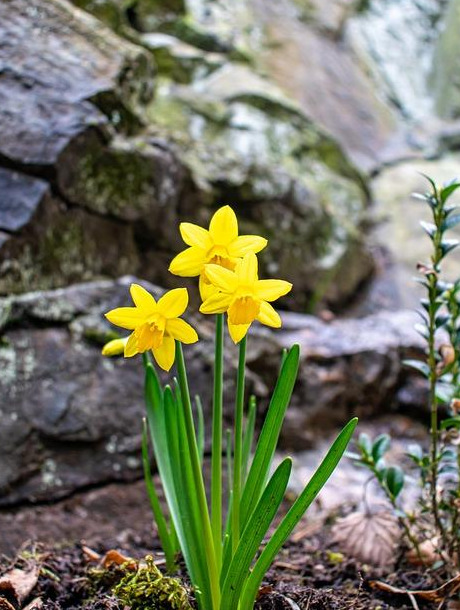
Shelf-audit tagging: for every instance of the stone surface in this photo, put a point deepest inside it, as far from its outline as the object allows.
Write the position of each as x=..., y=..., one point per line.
x=57, y=62
x=72, y=419
x=445, y=76
x=216, y=130
x=117, y=515
x=21, y=195
x=50, y=239
x=397, y=215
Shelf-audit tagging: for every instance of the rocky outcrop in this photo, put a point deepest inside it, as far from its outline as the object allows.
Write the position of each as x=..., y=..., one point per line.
x=172, y=108
x=71, y=419
x=115, y=149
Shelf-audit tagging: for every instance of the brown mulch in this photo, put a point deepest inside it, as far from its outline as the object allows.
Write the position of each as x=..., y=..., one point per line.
x=305, y=575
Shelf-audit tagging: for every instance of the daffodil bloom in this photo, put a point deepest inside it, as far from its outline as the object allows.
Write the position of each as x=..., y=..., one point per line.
x=115, y=347
x=243, y=296
x=219, y=245
x=155, y=326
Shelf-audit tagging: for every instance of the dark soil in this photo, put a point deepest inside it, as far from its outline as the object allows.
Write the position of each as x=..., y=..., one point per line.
x=307, y=572
x=304, y=574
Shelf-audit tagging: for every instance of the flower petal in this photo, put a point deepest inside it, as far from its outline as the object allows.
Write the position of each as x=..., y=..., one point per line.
x=173, y=303
x=206, y=289
x=143, y=299
x=193, y=235
x=188, y=263
x=237, y=331
x=223, y=227
x=221, y=278
x=246, y=269
x=114, y=347
x=268, y=315
x=131, y=346
x=126, y=317
x=270, y=290
x=217, y=303
x=244, y=244
x=165, y=354
x=181, y=330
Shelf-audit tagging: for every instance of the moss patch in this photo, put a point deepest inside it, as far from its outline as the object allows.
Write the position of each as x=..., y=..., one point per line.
x=148, y=589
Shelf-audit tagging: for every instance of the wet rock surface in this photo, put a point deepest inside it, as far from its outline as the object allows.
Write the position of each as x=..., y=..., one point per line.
x=72, y=419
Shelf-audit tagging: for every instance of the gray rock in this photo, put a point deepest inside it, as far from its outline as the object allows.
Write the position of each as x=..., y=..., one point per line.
x=72, y=419
x=47, y=93
x=21, y=196
x=126, y=165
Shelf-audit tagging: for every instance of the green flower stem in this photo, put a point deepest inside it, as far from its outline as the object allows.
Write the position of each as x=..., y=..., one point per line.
x=198, y=477
x=436, y=258
x=216, y=455
x=433, y=400
x=238, y=445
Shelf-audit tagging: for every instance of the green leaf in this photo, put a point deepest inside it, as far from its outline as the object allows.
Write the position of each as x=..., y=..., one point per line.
x=163, y=433
x=168, y=542
x=415, y=452
x=288, y=523
x=380, y=446
x=441, y=320
x=429, y=228
x=200, y=426
x=448, y=190
x=431, y=181
x=365, y=444
x=248, y=438
x=421, y=197
x=447, y=245
x=189, y=523
x=270, y=433
x=422, y=330
x=253, y=534
x=451, y=221
x=394, y=479
x=418, y=365
x=450, y=422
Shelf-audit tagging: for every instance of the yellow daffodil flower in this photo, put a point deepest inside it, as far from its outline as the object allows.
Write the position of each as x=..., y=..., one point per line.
x=155, y=326
x=243, y=296
x=219, y=245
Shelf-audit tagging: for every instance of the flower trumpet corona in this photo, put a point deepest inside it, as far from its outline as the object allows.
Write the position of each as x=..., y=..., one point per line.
x=243, y=296
x=220, y=245
x=156, y=325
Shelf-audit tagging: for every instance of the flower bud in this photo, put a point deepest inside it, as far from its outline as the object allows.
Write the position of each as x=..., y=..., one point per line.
x=116, y=347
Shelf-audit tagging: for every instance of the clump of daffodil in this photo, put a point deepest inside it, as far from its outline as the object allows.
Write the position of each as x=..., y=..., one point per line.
x=220, y=245
x=156, y=325
x=243, y=296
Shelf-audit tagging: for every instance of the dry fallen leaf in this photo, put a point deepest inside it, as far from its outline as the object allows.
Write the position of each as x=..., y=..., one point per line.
x=369, y=537
x=35, y=604
x=434, y=595
x=16, y=585
x=112, y=557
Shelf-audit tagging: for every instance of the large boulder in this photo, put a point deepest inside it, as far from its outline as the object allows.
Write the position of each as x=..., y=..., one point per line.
x=72, y=419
